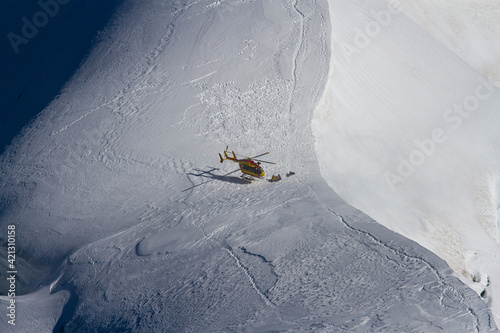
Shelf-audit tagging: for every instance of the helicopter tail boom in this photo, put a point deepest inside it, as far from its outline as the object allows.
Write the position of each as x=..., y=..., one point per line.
x=222, y=159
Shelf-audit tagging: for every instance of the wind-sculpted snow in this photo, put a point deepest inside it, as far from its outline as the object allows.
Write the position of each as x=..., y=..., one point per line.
x=407, y=132
x=116, y=187
x=169, y=240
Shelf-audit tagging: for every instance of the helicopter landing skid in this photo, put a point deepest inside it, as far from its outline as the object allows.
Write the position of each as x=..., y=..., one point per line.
x=247, y=177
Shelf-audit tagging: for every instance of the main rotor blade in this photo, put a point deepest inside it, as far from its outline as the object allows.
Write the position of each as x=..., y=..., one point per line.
x=253, y=159
x=260, y=155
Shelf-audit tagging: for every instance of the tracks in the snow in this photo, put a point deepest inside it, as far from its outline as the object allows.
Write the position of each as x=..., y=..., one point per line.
x=251, y=278
x=373, y=241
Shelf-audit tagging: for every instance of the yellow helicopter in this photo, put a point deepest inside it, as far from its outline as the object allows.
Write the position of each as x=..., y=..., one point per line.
x=249, y=166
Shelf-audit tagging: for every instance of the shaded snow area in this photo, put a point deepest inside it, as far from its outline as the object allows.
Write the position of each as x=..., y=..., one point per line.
x=127, y=222
x=407, y=129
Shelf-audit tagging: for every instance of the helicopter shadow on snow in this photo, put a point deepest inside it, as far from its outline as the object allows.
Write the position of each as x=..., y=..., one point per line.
x=211, y=176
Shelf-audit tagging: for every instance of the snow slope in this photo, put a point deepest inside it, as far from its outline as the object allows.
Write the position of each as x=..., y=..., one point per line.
x=466, y=27
x=407, y=132
x=34, y=69
x=130, y=222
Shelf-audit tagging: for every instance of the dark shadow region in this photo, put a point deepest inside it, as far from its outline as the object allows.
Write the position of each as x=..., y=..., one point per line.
x=43, y=43
x=64, y=323
x=211, y=176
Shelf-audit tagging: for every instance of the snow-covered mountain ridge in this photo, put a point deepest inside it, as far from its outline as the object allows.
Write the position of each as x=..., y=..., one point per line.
x=126, y=220
x=414, y=129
